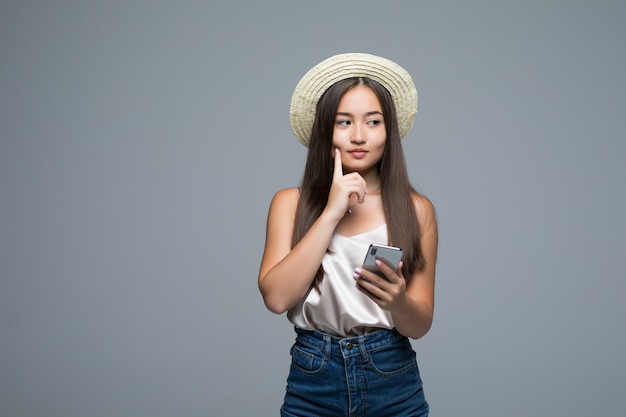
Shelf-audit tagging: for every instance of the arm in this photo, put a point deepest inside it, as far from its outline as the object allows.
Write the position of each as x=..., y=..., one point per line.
x=286, y=274
x=411, y=306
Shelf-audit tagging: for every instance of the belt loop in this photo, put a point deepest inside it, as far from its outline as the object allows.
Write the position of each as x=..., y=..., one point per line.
x=328, y=346
x=364, y=353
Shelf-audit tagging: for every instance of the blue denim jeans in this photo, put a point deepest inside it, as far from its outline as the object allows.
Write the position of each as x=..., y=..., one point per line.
x=371, y=375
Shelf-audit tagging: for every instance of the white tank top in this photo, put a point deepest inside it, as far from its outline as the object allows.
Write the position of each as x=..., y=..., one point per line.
x=341, y=309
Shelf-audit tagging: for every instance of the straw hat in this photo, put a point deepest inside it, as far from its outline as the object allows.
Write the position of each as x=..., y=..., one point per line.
x=339, y=67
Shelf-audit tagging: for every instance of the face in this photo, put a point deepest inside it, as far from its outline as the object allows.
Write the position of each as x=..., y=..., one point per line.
x=359, y=130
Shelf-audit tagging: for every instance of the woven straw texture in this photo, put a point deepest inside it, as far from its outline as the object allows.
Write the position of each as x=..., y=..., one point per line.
x=339, y=67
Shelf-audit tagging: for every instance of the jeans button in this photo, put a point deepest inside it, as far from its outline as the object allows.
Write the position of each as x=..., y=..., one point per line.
x=349, y=345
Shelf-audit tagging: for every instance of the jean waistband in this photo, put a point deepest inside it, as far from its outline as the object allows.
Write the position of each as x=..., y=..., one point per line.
x=349, y=345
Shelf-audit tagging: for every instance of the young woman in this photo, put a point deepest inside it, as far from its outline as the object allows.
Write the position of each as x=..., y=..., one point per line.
x=352, y=355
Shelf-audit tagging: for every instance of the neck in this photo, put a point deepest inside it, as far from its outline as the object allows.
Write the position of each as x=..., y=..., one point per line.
x=373, y=182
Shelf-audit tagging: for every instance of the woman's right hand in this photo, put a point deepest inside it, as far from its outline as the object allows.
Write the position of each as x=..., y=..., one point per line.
x=287, y=272
x=345, y=191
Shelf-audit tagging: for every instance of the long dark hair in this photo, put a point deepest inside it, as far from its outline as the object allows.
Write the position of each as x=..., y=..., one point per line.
x=397, y=193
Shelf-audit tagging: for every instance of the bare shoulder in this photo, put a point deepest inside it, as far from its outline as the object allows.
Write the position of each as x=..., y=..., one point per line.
x=287, y=197
x=284, y=203
x=425, y=210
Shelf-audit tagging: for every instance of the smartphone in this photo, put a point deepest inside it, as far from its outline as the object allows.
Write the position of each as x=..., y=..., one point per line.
x=390, y=254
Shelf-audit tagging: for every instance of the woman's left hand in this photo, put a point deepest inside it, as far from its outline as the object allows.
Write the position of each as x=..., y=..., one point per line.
x=389, y=292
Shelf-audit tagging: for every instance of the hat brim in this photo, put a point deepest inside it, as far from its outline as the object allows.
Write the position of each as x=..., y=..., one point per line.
x=340, y=67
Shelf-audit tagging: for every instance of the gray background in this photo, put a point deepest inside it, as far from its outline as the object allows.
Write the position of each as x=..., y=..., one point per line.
x=141, y=143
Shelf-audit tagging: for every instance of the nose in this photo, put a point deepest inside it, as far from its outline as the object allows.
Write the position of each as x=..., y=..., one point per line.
x=357, y=134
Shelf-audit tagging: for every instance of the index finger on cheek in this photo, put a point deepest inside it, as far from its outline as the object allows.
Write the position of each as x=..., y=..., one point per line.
x=338, y=173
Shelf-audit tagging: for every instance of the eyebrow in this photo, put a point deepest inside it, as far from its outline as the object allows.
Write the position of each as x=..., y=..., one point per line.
x=369, y=113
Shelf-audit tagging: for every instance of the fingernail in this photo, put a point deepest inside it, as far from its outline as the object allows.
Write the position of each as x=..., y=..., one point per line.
x=356, y=277
x=378, y=262
x=358, y=270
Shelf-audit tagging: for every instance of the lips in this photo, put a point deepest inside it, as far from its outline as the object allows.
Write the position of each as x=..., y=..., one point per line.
x=358, y=153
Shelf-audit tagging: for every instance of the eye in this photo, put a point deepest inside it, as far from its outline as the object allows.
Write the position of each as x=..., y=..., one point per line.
x=374, y=122
x=342, y=122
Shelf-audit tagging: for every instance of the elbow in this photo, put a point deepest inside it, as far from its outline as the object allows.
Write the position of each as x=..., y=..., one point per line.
x=415, y=332
x=277, y=299
x=415, y=329
x=421, y=331
x=275, y=306
x=273, y=303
